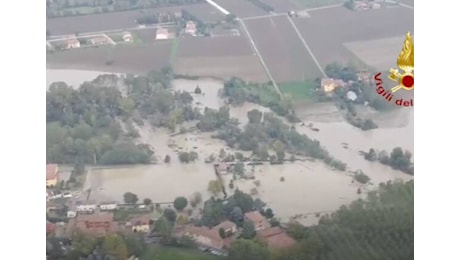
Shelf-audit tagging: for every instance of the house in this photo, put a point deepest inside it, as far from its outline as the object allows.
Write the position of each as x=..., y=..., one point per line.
x=108, y=205
x=205, y=238
x=86, y=206
x=72, y=211
x=259, y=221
x=162, y=34
x=351, y=95
x=73, y=43
x=101, y=40
x=140, y=224
x=222, y=168
x=127, y=37
x=51, y=175
x=229, y=227
x=96, y=224
x=209, y=238
x=329, y=85
x=364, y=76
x=50, y=228
x=190, y=28
x=275, y=238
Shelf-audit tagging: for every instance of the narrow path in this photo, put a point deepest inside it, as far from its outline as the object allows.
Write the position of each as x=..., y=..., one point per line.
x=264, y=65
x=307, y=47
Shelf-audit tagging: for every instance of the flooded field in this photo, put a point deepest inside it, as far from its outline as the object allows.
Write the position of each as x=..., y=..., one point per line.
x=308, y=187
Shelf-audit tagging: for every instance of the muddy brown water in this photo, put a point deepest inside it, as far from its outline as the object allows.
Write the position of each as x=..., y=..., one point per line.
x=308, y=187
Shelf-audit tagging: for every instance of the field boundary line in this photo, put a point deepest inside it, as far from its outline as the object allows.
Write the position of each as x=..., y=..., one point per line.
x=262, y=16
x=264, y=65
x=307, y=47
x=218, y=7
x=322, y=8
x=407, y=6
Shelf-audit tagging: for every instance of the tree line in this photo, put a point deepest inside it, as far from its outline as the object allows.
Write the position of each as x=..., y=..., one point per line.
x=397, y=159
x=85, y=124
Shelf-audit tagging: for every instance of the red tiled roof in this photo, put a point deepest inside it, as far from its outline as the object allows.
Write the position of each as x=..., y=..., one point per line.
x=98, y=217
x=227, y=224
x=276, y=238
x=50, y=227
x=211, y=234
x=254, y=216
x=51, y=171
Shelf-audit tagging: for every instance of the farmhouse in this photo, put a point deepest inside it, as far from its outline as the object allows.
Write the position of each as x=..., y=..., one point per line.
x=329, y=85
x=101, y=40
x=257, y=220
x=162, y=34
x=209, y=238
x=73, y=43
x=190, y=28
x=127, y=37
x=51, y=175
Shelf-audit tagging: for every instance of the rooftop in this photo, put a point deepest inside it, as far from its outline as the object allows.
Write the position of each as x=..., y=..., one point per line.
x=51, y=171
x=227, y=224
x=276, y=238
x=254, y=216
x=98, y=217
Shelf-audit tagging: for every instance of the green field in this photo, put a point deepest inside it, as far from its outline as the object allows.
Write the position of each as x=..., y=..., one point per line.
x=173, y=253
x=319, y=3
x=174, y=50
x=298, y=91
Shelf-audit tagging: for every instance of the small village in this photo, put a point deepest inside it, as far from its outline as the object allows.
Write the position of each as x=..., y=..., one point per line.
x=69, y=213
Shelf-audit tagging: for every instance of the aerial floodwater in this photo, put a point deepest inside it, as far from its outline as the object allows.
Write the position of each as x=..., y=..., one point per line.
x=304, y=181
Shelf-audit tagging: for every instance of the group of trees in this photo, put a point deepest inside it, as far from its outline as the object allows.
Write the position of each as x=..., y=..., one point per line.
x=233, y=208
x=398, y=159
x=238, y=91
x=85, y=124
x=259, y=136
x=380, y=227
x=67, y=8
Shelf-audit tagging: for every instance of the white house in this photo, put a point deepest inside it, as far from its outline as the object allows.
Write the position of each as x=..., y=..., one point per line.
x=162, y=34
x=85, y=206
x=110, y=205
x=71, y=213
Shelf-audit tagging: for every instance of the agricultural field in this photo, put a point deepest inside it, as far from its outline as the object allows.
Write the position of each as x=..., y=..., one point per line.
x=221, y=57
x=284, y=5
x=117, y=59
x=241, y=8
x=327, y=37
x=205, y=12
x=298, y=91
x=317, y=3
x=283, y=52
x=120, y=20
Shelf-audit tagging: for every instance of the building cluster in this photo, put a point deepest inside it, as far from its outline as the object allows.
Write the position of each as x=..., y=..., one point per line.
x=329, y=85
x=99, y=40
x=211, y=239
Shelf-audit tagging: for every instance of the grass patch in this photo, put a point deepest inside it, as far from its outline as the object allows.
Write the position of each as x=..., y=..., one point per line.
x=298, y=91
x=319, y=3
x=172, y=253
x=174, y=50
